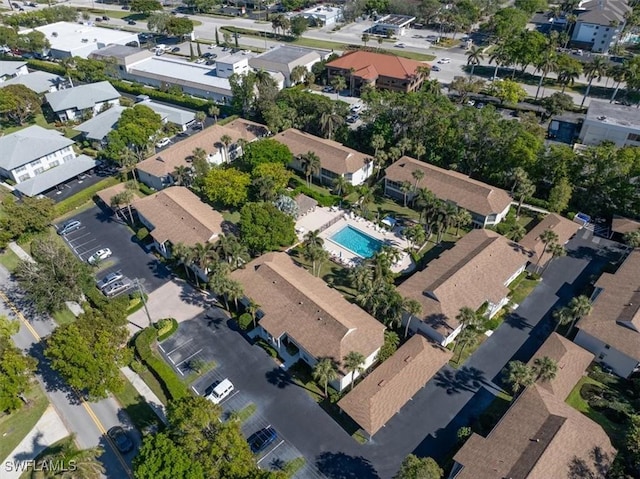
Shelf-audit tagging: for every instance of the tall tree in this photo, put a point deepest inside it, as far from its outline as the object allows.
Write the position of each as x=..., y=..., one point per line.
x=183, y=255
x=310, y=163
x=412, y=308
x=413, y=467
x=562, y=316
x=18, y=104
x=594, y=70
x=475, y=56
x=324, y=372
x=354, y=363
x=547, y=237
x=545, y=368
x=519, y=375
x=579, y=307
x=524, y=190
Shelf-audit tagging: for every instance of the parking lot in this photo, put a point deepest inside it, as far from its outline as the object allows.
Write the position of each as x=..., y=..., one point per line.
x=102, y=229
x=207, y=338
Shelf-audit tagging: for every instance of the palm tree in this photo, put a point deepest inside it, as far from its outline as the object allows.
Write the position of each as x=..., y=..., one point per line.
x=474, y=57
x=234, y=292
x=310, y=163
x=226, y=140
x=545, y=368
x=568, y=72
x=329, y=122
x=468, y=317
x=354, y=363
x=324, y=372
x=200, y=117
x=562, y=316
x=313, y=238
x=367, y=196
x=547, y=64
x=547, y=237
x=183, y=255
x=181, y=175
x=557, y=251
x=500, y=57
x=619, y=73
x=219, y=278
x=74, y=463
x=380, y=41
x=298, y=73
x=116, y=204
x=417, y=175
x=464, y=339
x=338, y=83
x=413, y=308
x=377, y=143
x=419, y=150
x=524, y=189
x=341, y=185
x=462, y=219
x=199, y=154
x=579, y=307
x=405, y=188
x=517, y=232
x=237, y=253
x=519, y=375
x=365, y=39
x=214, y=111
x=595, y=69
x=252, y=309
x=202, y=257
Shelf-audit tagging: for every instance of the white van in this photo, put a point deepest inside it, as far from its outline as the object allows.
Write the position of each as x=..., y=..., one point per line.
x=218, y=391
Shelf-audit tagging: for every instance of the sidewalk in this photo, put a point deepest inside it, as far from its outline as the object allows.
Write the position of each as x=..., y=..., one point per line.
x=145, y=392
x=20, y=253
x=48, y=429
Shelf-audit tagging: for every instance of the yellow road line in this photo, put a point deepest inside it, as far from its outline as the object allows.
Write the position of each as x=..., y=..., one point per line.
x=86, y=406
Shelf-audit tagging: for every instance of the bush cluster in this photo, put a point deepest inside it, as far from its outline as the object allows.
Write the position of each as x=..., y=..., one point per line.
x=244, y=321
x=80, y=198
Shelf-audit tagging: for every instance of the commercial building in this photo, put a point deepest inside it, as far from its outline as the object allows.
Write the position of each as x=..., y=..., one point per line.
x=37, y=160
x=284, y=59
x=610, y=122
x=395, y=25
x=323, y=16
x=77, y=40
x=599, y=24
x=384, y=71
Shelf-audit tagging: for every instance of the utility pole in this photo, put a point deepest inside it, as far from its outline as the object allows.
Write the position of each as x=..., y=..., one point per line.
x=144, y=301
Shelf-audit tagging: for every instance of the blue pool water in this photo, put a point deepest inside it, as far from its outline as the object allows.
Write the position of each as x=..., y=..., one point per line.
x=357, y=242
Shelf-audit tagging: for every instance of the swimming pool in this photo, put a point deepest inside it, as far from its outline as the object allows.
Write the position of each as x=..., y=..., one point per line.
x=357, y=242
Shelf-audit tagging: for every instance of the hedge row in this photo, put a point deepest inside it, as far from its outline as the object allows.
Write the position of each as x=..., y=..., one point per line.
x=323, y=200
x=80, y=198
x=538, y=202
x=173, y=387
x=164, y=334
x=45, y=66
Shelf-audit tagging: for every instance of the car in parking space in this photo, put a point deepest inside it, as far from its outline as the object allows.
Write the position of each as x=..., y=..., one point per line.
x=163, y=142
x=68, y=227
x=218, y=391
x=356, y=108
x=328, y=89
x=105, y=18
x=200, y=61
x=110, y=279
x=197, y=126
x=126, y=7
x=98, y=19
x=175, y=49
x=121, y=439
x=209, y=55
x=99, y=255
x=118, y=287
x=400, y=45
x=435, y=68
x=353, y=118
x=444, y=60
x=260, y=440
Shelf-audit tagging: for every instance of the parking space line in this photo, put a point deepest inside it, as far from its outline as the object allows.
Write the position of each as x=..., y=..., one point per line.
x=277, y=446
x=178, y=347
x=76, y=247
x=229, y=397
x=77, y=238
x=187, y=359
x=195, y=390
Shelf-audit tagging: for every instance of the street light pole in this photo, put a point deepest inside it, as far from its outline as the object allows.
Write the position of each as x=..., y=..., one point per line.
x=144, y=301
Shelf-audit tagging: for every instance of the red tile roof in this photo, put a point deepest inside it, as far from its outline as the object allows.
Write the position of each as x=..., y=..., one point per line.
x=370, y=65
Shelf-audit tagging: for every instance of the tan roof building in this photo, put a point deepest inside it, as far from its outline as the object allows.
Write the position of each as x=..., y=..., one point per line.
x=108, y=193
x=476, y=270
x=612, y=330
x=572, y=362
x=300, y=308
x=335, y=158
x=487, y=204
x=374, y=401
x=155, y=171
x=622, y=225
x=176, y=215
x=539, y=437
x=564, y=228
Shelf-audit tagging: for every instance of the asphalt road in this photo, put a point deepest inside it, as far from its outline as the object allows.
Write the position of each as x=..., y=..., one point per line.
x=88, y=421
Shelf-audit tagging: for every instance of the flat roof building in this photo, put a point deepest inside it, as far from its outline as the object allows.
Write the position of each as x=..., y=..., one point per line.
x=284, y=59
x=607, y=121
x=395, y=25
x=323, y=16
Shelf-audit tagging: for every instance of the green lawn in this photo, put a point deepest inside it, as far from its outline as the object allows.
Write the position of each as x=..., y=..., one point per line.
x=246, y=412
x=9, y=260
x=15, y=426
x=521, y=287
x=231, y=216
x=136, y=406
x=153, y=384
x=332, y=273
x=64, y=316
x=38, y=120
x=459, y=359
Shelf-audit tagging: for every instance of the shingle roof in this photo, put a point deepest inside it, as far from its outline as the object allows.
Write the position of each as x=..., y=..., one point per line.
x=163, y=163
x=472, y=195
x=475, y=270
x=39, y=82
x=333, y=156
x=603, y=12
x=615, y=318
x=622, y=225
x=179, y=216
x=98, y=127
x=563, y=227
x=179, y=116
x=388, y=388
x=305, y=203
x=54, y=176
x=370, y=65
x=315, y=316
x=82, y=97
x=28, y=144
x=108, y=193
x=539, y=437
x=572, y=362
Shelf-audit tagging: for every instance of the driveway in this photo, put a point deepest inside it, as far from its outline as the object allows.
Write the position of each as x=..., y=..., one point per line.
x=102, y=229
x=427, y=425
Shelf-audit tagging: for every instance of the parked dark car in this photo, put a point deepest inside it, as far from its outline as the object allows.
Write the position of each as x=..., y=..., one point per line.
x=105, y=18
x=175, y=49
x=260, y=440
x=121, y=439
x=98, y=19
x=126, y=7
x=131, y=22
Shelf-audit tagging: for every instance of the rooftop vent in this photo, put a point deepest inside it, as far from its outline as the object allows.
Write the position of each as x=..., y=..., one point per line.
x=84, y=40
x=54, y=34
x=408, y=359
x=602, y=118
x=382, y=383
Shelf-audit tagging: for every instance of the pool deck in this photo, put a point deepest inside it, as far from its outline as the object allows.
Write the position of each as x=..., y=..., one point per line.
x=338, y=219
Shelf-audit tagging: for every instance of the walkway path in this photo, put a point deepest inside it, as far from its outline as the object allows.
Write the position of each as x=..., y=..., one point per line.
x=48, y=429
x=146, y=393
x=20, y=253
x=530, y=207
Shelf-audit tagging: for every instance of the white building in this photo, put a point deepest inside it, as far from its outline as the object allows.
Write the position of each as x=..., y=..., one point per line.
x=600, y=23
x=323, y=16
x=9, y=69
x=37, y=159
x=40, y=82
x=84, y=100
x=78, y=40
x=395, y=25
x=606, y=121
x=237, y=63
x=284, y=59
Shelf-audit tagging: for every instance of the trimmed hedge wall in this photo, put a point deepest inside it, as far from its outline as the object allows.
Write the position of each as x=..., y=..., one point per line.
x=323, y=200
x=80, y=198
x=169, y=331
x=45, y=66
x=173, y=387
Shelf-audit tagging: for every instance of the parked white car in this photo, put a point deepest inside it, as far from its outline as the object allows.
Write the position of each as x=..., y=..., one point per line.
x=163, y=142
x=99, y=255
x=444, y=60
x=118, y=287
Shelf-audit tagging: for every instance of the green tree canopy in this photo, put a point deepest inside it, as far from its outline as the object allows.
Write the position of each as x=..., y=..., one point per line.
x=419, y=468
x=161, y=458
x=266, y=150
x=19, y=104
x=275, y=172
x=135, y=130
x=26, y=217
x=16, y=371
x=227, y=186
x=145, y=6
x=265, y=228
x=178, y=26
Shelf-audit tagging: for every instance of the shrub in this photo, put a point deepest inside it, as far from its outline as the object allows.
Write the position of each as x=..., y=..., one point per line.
x=142, y=234
x=291, y=467
x=323, y=200
x=245, y=321
x=538, y=202
x=145, y=190
x=80, y=198
x=590, y=391
x=136, y=366
x=45, y=66
x=267, y=347
x=172, y=386
x=168, y=327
